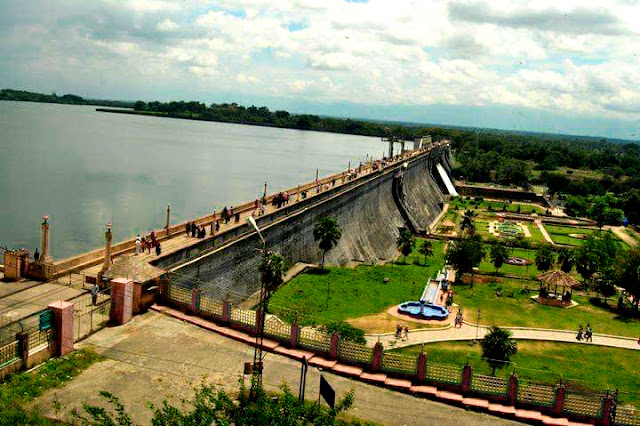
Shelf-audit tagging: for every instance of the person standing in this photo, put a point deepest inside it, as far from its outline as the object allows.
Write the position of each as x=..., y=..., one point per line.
x=36, y=255
x=94, y=294
x=158, y=249
x=138, y=244
x=194, y=228
x=188, y=228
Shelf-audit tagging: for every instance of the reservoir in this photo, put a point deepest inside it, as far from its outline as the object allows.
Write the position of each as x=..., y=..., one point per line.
x=85, y=168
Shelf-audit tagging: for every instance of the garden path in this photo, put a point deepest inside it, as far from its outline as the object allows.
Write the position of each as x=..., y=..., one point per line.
x=619, y=232
x=544, y=232
x=470, y=331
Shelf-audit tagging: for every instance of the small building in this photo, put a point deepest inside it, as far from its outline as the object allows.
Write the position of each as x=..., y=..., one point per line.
x=556, y=288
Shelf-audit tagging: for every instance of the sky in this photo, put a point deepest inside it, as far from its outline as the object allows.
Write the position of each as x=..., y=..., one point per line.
x=554, y=66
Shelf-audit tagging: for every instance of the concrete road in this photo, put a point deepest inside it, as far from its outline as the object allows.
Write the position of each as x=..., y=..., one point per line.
x=156, y=357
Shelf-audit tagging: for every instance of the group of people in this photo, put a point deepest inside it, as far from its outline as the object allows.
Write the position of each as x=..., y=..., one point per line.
x=147, y=243
x=586, y=334
x=195, y=230
x=280, y=199
x=402, y=332
x=228, y=213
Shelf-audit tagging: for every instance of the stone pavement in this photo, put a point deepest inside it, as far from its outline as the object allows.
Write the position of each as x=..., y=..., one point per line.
x=544, y=232
x=470, y=331
x=157, y=357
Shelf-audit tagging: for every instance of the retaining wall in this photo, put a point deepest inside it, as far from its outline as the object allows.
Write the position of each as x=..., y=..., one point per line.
x=365, y=211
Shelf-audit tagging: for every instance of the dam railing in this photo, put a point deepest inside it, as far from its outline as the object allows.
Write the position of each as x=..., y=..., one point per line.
x=561, y=399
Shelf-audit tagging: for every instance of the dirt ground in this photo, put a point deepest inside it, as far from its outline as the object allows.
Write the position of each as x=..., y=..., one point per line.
x=385, y=322
x=155, y=357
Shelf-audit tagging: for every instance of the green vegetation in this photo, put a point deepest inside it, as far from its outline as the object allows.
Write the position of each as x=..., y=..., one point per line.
x=560, y=234
x=547, y=362
x=354, y=292
x=498, y=348
x=22, y=388
x=327, y=233
x=21, y=95
x=496, y=206
x=211, y=406
x=515, y=308
x=529, y=271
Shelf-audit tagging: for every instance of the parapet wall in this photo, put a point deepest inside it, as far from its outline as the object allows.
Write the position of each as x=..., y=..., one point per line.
x=365, y=211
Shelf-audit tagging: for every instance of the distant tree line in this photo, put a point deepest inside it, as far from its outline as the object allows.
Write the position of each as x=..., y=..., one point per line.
x=69, y=99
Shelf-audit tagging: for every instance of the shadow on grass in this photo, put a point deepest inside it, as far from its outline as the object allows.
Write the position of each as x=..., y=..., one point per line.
x=317, y=271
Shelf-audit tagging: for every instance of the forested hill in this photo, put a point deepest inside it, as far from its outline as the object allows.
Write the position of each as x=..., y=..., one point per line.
x=69, y=99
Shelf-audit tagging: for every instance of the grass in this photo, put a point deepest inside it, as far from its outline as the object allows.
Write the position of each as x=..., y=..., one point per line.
x=521, y=311
x=547, y=362
x=560, y=234
x=22, y=388
x=497, y=206
x=354, y=292
x=530, y=271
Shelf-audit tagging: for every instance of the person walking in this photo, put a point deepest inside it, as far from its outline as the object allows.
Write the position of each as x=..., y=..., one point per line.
x=579, y=335
x=458, y=323
x=588, y=334
x=399, y=332
x=94, y=294
x=158, y=249
x=405, y=335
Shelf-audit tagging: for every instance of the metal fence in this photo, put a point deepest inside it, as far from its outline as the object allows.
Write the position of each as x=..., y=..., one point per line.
x=90, y=315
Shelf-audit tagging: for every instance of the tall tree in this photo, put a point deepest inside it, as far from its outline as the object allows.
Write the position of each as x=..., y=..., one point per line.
x=498, y=254
x=628, y=273
x=465, y=253
x=328, y=233
x=467, y=222
x=405, y=243
x=498, y=348
x=597, y=253
x=271, y=271
x=566, y=259
x=545, y=258
x=426, y=249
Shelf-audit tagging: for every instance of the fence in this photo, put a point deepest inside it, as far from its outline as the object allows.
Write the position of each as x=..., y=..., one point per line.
x=554, y=399
x=90, y=316
x=26, y=342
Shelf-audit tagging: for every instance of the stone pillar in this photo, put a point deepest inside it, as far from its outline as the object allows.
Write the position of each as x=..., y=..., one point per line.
x=377, y=356
x=467, y=372
x=45, y=257
x=23, y=348
x=607, y=407
x=559, y=402
x=259, y=320
x=121, y=301
x=401, y=147
x=422, y=366
x=63, y=318
x=513, y=389
x=137, y=296
x=195, y=300
x=335, y=342
x=107, y=252
x=168, y=225
x=226, y=311
x=295, y=332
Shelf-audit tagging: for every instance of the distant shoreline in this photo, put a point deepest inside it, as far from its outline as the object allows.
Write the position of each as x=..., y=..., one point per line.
x=246, y=123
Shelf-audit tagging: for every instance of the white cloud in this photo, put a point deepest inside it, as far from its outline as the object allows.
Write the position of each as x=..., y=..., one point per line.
x=167, y=26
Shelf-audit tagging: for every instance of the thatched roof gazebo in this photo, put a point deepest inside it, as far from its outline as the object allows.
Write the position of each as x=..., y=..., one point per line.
x=447, y=225
x=554, y=279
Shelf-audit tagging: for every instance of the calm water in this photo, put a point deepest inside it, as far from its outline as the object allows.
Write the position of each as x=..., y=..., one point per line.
x=85, y=168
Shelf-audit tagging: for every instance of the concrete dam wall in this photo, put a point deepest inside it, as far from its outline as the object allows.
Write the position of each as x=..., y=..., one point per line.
x=366, y=212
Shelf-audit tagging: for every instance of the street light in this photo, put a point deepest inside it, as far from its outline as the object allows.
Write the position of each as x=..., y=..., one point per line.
x=257, y=353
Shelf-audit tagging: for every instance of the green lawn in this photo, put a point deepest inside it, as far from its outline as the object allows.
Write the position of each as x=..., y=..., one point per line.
x=521, y=311
x=355, y=292
x=530, y=271
x=547, y=362
x=497, y=206
x=560, y=234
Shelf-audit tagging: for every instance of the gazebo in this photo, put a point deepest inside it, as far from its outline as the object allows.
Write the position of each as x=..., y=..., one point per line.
x=550, y=281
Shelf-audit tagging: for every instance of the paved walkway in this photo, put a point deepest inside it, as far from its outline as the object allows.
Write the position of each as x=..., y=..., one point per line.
x=141, y=367
x=471, y=331
x=544, y=232
x=620, y=233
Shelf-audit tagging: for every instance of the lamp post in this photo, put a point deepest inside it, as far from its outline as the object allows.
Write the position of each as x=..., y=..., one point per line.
x=257, y=353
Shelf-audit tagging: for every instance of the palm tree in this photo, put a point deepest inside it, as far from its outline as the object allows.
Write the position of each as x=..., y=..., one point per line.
x=426, y=249
x=566, y=259
x=498, y=348
x=467, y=221
x=405, y=243
x=498, y=254
x=271, y=271
x=328, y=232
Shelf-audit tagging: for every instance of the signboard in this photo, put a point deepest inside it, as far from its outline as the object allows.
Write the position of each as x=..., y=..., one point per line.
x=327, y=392
x=46, y=320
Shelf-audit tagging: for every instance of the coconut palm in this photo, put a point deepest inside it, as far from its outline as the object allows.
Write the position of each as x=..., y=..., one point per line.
x=271, y=271
x=467, y=221
x=498, y=348
x=426, y=249
x=328, y=233
x=405, y=243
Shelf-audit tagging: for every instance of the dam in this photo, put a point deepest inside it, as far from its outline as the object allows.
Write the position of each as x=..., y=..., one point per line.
x=371, y=203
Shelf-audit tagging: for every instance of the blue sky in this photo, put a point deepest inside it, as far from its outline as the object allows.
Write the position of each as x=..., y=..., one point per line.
x=567, y=67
